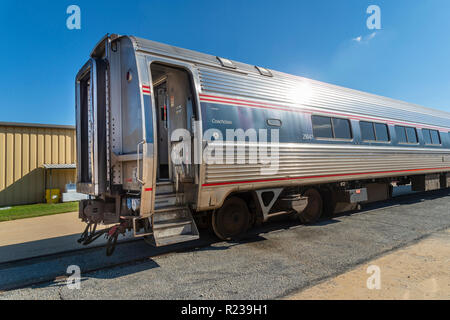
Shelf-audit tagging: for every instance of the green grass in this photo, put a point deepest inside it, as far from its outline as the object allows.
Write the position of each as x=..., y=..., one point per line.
x=36, y=210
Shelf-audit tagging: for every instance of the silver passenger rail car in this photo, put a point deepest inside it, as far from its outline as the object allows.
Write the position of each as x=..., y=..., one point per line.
x=169, y=138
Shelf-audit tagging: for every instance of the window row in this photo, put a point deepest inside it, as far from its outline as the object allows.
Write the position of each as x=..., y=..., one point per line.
x=337, y=128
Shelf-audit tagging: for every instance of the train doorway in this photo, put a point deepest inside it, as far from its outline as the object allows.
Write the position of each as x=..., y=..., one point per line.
x=174, y=110
x=163, y=132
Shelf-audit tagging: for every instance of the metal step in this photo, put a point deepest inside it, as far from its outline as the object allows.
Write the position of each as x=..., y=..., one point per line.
x=168, y=200
x=176, y=239
x=169, y=213
x=173, y=225
x=165, y=187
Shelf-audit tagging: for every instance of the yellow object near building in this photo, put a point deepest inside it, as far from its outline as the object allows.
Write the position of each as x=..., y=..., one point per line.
x=52, y=195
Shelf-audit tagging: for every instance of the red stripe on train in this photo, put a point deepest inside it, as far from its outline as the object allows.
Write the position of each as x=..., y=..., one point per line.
x=146, y=89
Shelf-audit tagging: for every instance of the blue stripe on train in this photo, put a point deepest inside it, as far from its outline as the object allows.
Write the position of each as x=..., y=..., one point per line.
x=223, y=117
x=296, y=127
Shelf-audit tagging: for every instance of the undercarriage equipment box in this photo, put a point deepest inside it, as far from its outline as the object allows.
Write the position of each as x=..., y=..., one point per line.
x=426, y=182
x=445, y=180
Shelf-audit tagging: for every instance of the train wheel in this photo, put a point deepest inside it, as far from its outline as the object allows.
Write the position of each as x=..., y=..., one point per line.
x=314, y=209
x=232, y=220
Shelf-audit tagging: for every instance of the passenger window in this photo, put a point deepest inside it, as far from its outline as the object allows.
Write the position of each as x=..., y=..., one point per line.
x=382, y=132
x=411, y=134
x=401, y=134
x=332, y=128
x=426, y=136
x=322, y=127
x=341, y=129
x=371, y=131
x=435, y=137
x=367, y=132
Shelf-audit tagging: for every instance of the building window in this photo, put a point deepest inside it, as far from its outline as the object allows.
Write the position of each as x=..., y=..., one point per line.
x=371, y=131
x=406, y=134
x=331, y=128
x=431, y=136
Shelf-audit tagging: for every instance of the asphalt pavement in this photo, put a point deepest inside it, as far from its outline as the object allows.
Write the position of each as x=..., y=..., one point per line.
x=274, y=261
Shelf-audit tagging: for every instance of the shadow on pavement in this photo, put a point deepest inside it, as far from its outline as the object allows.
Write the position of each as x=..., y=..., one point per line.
x=138, y=252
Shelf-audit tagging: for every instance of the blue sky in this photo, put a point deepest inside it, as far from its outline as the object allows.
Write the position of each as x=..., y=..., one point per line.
x=408, y=59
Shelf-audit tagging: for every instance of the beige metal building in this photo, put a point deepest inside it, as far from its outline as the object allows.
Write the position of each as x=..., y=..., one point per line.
x=24, y=150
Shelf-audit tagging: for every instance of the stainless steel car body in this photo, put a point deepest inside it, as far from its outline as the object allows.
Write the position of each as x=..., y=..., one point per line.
x=237, y=93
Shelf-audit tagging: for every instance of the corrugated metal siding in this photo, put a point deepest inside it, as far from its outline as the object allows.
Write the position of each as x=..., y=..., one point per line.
x=23, y=151
x=316, y=162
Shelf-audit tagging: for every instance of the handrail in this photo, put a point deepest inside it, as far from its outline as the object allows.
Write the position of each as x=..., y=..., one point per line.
x=138, y=178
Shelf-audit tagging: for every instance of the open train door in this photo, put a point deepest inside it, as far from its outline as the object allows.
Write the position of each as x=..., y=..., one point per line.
x=172, y=220
x=91, y=128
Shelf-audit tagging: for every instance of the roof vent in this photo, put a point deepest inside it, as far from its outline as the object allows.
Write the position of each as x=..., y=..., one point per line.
x=226, y=63
x=264, y=71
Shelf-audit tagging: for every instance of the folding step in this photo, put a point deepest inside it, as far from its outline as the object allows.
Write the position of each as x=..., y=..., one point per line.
x=176, y=239
x=173, y=225
x=165, y=187
x=165, y=200
x=168, y=200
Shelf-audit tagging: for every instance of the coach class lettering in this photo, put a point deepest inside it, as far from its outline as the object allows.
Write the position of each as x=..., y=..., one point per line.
x=222, y=121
